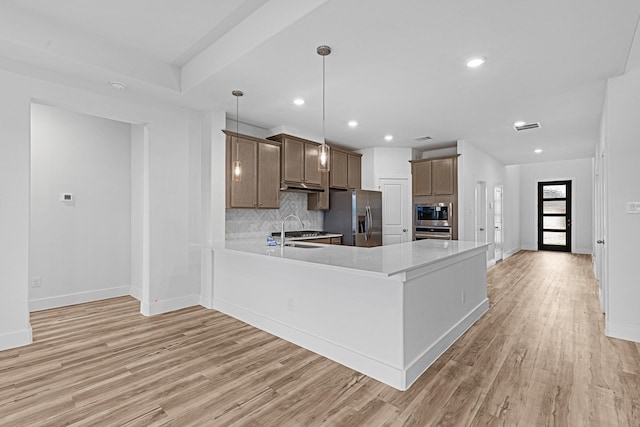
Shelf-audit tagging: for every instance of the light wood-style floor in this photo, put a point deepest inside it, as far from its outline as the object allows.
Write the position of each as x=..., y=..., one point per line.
x=538, y=357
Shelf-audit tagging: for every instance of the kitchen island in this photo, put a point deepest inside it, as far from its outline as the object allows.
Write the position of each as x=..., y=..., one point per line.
x=388, y=311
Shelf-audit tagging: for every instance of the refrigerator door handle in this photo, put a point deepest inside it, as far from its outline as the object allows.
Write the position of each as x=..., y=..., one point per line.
x=366, y=223
x=369, y=223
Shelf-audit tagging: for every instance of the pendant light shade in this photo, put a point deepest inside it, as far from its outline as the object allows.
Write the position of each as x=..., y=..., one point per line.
x=324, y=156
x=236, y=165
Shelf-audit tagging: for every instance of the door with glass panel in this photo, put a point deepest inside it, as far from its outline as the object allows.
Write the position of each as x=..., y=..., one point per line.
x=554, y=216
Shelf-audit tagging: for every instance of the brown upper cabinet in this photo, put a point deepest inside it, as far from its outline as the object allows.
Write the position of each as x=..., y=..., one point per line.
x=345, y=170
x=434, y=177
x=259, y=186
x=299, y=159
x=320, y=201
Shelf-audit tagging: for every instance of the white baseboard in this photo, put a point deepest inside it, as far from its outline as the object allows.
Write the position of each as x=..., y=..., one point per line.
x=351, y=359
x=206, y=302
x=166, y=306
x=491, y=263
x=422, y=363
x=15, y=339
x=77, y=298
x=510, y=253
x=136, y=292
x=584, y=251
x=400, y=379
x=622, y=331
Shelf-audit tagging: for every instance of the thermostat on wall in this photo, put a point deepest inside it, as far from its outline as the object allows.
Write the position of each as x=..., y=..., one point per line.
x=66, y=197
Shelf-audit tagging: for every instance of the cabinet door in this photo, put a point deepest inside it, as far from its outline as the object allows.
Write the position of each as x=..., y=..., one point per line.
x=311, y=172
x=353, y=172
x=268, y=176
x=442, y=176
x=292, y=160
x=336, y=240
x=243, y=192
x=421, y=174
x=338, y=176
x=320, y=201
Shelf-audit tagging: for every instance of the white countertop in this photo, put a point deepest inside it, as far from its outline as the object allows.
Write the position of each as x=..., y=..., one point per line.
x=382, y=260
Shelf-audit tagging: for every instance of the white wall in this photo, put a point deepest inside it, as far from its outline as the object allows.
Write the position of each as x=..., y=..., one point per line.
x=476, y=165
x=171, y=261
x=80, y=250
x=511, y=210
x=384, y=162
x=15, y=329
x=580, y=172
x=623, y=229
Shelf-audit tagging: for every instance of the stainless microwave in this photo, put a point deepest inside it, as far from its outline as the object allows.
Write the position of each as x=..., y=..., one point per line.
x=433, y=214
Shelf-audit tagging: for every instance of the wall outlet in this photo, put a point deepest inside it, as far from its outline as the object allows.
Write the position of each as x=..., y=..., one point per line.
x=36, y=282
x=291, y=307
x=464, y=297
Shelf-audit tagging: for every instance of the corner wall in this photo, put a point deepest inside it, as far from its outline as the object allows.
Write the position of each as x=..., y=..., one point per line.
x=623, y=228
x=172, y=283
x=81, y=249
x=580, y=172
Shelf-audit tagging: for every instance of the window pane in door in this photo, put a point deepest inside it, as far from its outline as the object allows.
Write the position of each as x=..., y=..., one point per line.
x=554, y=192
x=553, y=238
x=554, y=207
x=555, y=222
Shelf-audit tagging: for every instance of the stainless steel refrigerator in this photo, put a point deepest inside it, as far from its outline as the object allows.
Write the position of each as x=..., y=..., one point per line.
x=357, y=215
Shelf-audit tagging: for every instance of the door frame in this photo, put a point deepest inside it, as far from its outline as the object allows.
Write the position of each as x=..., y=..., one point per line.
x=568, y=214
x=409, y=202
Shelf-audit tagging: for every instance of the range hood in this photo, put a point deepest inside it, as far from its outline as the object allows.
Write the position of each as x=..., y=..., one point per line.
x=300, y=187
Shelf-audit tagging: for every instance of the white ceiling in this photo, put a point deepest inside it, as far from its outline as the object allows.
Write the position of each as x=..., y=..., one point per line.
x=396, y=67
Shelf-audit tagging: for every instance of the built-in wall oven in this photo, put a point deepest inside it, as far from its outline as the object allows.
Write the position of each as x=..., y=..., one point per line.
x=432, y=221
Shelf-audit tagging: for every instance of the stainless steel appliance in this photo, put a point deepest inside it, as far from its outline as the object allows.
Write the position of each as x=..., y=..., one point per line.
x=440, y=233
x=357, y=215
x=433, y=214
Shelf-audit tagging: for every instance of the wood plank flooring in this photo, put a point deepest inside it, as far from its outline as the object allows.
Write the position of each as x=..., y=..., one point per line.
x=537, y=357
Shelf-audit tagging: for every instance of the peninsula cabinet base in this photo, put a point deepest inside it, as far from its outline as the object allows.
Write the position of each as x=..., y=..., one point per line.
x=388, y=327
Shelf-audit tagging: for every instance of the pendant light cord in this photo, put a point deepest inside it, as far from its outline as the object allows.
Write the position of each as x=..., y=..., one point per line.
x=324, y=135
x=237, y=129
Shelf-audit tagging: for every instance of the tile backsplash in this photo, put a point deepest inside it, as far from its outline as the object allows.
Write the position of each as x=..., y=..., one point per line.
x=249, y=223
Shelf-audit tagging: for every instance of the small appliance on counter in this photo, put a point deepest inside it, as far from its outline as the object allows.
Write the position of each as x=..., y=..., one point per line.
x=357, y=215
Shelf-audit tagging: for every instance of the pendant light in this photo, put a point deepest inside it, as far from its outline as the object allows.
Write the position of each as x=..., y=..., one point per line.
x=236, y=166
x=324, y=157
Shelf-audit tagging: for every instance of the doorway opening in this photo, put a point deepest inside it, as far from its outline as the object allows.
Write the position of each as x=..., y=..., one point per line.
x=554, y=216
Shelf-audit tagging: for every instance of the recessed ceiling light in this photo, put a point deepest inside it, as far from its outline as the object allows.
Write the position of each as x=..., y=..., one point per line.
x=298, y=101
x=352, y=123
x=476, y=62
x=117, y=85
x=388, y=137
x=519, y=123
x=537, y=150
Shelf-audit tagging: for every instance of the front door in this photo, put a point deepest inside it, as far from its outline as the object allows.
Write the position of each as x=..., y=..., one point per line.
x=554, y=216
x=395, y=215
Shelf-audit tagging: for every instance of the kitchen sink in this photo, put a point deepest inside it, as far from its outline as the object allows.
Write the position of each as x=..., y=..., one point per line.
x=301, y=245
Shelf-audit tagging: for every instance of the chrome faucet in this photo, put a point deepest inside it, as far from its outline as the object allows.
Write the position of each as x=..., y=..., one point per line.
x=282, y=229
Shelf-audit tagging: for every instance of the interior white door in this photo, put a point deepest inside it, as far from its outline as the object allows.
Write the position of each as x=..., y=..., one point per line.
x=480, y=213
x=600, y=249
x=395, y=210
x=497, y=222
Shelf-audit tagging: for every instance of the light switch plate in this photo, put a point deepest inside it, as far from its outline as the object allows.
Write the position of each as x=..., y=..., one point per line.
x=66, y=197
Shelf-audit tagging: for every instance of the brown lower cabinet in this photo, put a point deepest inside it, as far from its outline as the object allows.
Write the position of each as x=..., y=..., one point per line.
x=259, y=186
x=325, y=240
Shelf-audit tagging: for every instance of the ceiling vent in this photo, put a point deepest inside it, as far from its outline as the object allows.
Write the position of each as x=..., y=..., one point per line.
x=526, y=126
x=423, y=138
